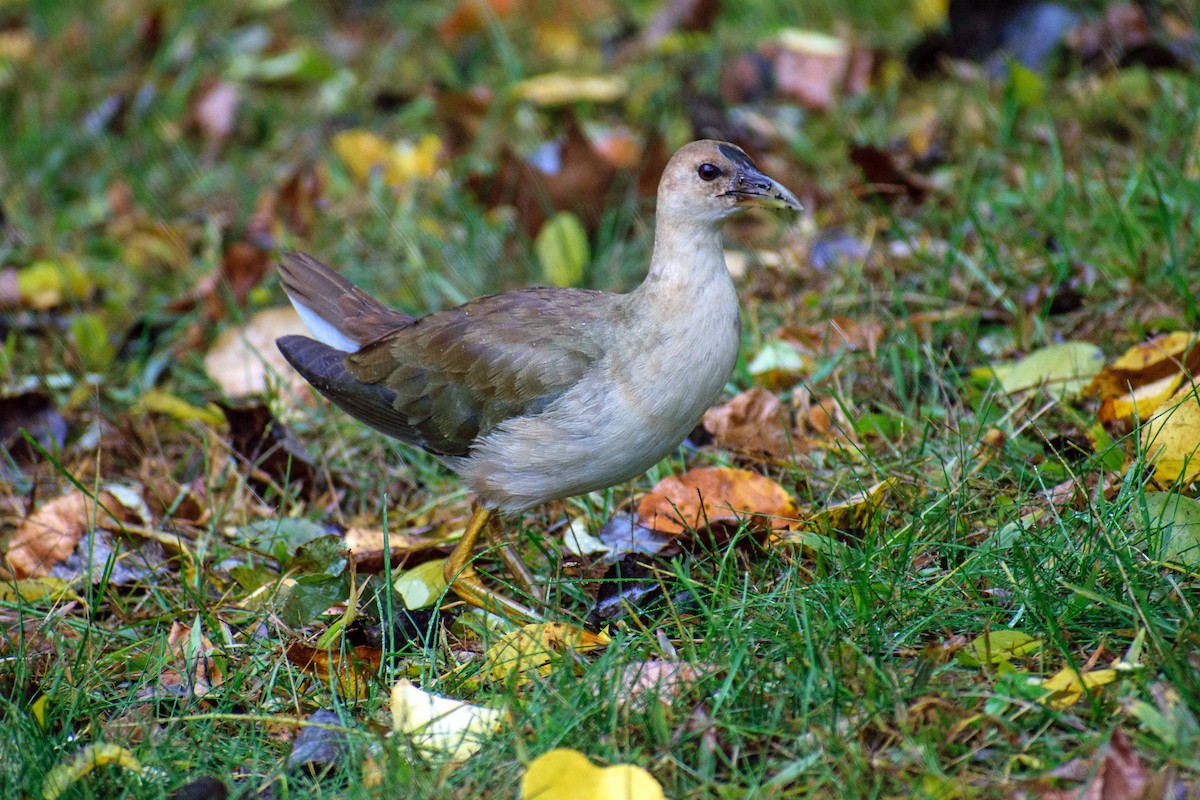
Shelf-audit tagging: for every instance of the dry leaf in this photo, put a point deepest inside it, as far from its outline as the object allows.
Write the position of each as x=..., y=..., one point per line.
x=535, y=648
x=753, y=422
x=442, y=726
x=1068, y=686
x=1171, y=438
x=59, y=779
x=194, y=670
x=562, y=88
x=354, y=669
x=702, y=497
x=568, y=775
x=244, y=360
x=642, y=683
x=1145, y=376
x=270, y=450
x=50, y=534
x=849, y=518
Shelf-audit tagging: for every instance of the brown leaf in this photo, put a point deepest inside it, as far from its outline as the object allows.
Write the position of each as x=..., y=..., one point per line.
x=194, y=668
x=888, y=174
x=572, y=174
x=243, y=267
x=753, y=422
x=299, y=197
x=269, y=448
x=1145, y=375
x=709, y=497
x=50, y=534
x=1118, y=774
x=407, y=550
x=642, y=683
x=355, y=669
x=830, y=336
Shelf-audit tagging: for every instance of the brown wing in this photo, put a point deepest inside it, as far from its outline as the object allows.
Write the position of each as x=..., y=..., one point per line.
x=453, y=376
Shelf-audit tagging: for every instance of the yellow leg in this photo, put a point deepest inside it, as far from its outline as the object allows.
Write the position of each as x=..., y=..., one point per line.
x=464, y=581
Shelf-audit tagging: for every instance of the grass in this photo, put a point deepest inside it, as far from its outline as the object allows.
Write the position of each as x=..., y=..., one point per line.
x=824, y=675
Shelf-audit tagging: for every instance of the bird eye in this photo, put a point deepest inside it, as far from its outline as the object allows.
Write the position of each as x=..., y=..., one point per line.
x=708, y=172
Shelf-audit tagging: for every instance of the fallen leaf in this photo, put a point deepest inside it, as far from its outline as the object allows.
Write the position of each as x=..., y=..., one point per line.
x=643, y=683
x=889, y=174
x=1140, y=403
x=1170, y=439
x=1173, y=530
x=59, y=779
x=562, y=88
x=568, y=775
x=50, y=534
x=754, y=421
x=244, y=360
x=353, y=669
x=441, y=726
x=535, y=648
x=1170, y=355
x=1063, y=370
x=998, y=646
x=1068, y=686
x=269, y=449
x=195, y=669
x=850, y=518
x=321, y=745
x=399, y=163
x=243, y=267
x=716, y=496
x=422, y=585
x=48, y=283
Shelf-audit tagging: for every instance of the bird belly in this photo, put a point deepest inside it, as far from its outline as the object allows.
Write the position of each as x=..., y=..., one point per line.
x=596, y=436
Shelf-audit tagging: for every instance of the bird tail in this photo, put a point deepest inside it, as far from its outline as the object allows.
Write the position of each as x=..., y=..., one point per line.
x=336, y=312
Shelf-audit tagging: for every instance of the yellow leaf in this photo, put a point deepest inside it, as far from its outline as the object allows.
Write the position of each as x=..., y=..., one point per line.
x=560, y=88
x=442, y=726
x=31, y=590
x=423, y=584
x=999, y=646
x=94, y=755
x=1142, y=401
x=158, y=401
x=534, y=647
x=400, y=163
x=1171, y=438
x=1067, y=686
x=46, y=284
x=1170, y=346
x=568, y=775
x=562, y=249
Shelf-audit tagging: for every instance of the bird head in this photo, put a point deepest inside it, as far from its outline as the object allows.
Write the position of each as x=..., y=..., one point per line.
x=708, y=180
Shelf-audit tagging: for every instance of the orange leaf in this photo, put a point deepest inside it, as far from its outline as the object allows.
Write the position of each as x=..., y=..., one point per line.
x=701, y=497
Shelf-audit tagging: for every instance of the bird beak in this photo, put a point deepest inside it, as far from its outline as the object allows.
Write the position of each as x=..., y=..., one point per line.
x=752, y=188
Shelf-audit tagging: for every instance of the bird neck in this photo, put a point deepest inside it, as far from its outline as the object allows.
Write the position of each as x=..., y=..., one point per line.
x=688, y=257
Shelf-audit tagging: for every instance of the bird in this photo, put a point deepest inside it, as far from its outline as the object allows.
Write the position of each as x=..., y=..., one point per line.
x=539, y=394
